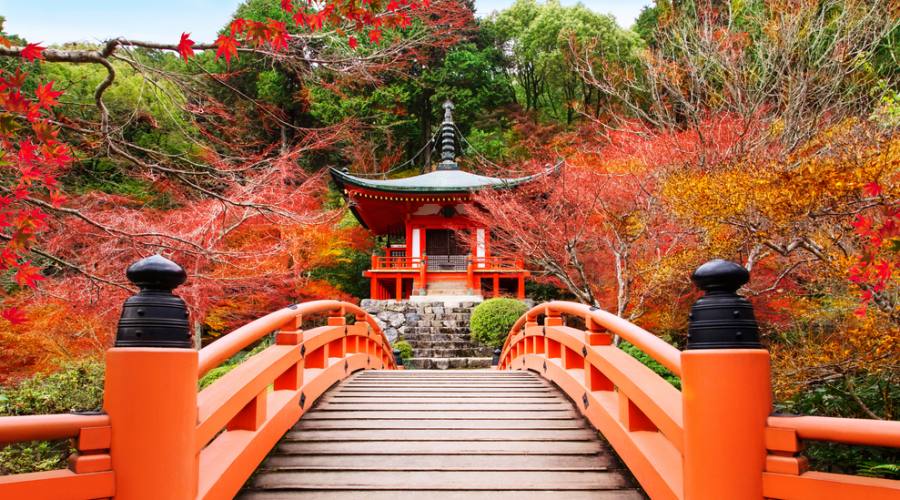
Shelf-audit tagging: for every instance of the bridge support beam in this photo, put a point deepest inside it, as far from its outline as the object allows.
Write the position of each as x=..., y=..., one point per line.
x=726, y=388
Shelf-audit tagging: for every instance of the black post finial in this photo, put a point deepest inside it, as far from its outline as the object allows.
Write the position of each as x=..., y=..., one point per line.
x=495, y=361
x=155, y=317
x=398, y=358
x=722, y=319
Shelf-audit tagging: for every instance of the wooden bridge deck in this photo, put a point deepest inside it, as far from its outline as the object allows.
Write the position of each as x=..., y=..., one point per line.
x=428, y=434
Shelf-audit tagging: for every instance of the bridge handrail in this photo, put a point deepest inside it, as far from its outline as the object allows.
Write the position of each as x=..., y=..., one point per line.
x=635, y=409
x=716, y=437
x=47, y=427
x=653, y=346
x=856, y=431
x=245, y=412
x=230, y=344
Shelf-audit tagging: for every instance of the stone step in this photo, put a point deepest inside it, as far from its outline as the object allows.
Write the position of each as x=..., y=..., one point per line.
x=465, y=352
x=446, y=363
x=437, y=329
x=439, y=323
x=465, y=339
x=438, y=344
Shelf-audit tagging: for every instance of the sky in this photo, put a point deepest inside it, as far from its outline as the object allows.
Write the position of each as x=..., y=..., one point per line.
x=58, y=21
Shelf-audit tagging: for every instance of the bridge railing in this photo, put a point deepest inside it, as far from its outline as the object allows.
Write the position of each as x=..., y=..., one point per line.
x=714, y=439
x=159, y=437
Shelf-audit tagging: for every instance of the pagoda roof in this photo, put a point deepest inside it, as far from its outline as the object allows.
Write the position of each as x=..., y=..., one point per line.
x=439, y=181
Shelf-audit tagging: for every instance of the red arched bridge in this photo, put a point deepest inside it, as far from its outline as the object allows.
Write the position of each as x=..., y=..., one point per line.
x=328, y=407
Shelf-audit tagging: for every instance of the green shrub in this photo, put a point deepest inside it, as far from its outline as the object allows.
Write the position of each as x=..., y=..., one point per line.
x=76, y=387
x=233, y=362
x=651, y=363
x=492, y=319
x=406, y=350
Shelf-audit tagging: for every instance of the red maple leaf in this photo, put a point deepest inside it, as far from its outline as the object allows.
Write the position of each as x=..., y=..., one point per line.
x=32, y=51
x=28, y=275
x=352, y=42
x=375, y=36
x=47, y=97
x=278, y=35
x=185, y=47
x=300, y=18
x=237, y=26
x=316, y=21
x=872, y=189
x=226, y=47
x=862, y=224
x=392, y=5
x=57, y=198
x=13, y=315
x=883, y=269
x=287, y=6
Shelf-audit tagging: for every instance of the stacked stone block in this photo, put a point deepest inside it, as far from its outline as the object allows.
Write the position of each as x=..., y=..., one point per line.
x=438, y=332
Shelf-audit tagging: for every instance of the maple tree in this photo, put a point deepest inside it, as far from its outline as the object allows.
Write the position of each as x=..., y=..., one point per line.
x=215, y=179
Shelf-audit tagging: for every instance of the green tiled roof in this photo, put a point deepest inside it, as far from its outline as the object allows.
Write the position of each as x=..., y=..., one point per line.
x=439, y=181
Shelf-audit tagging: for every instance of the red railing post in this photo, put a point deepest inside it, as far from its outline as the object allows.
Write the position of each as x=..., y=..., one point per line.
x=423, y=273
x=151, y=389
x=726, y=390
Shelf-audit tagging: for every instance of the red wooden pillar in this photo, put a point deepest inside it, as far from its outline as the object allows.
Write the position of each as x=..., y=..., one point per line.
x=373, y=287
x=520, y=292
x=399, y=287
x=496, y=285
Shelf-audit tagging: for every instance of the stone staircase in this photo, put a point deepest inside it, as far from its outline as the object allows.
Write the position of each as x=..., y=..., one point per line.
x=437, y=331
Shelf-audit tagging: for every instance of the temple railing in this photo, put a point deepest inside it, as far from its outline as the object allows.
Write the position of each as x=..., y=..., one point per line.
x=714, y=439
x=496, y=263
x=381, y=263
x=159, y=437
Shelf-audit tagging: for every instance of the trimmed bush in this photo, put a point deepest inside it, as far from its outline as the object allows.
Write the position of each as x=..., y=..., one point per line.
x=492, y=319
x=406, y=350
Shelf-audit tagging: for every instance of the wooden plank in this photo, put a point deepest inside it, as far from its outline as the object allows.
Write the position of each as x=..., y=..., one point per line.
x=441, y=462
x=453, y=435
x=379, y=423
x=441, y=447
x=436, y=385
x=441, y=480
x=466, y=406
x=477, y=415
x=443, y=495
x=349, y=400
x=442, y=435
x=431, y=390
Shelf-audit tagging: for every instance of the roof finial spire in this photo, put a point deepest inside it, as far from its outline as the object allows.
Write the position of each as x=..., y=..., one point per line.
x=448, y=111
x=448, y=139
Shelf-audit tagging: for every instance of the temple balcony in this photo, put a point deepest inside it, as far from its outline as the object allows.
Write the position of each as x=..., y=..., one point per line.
x=394, y=277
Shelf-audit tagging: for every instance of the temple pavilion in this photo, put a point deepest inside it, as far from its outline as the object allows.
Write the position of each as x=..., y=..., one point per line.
x=434, y=248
